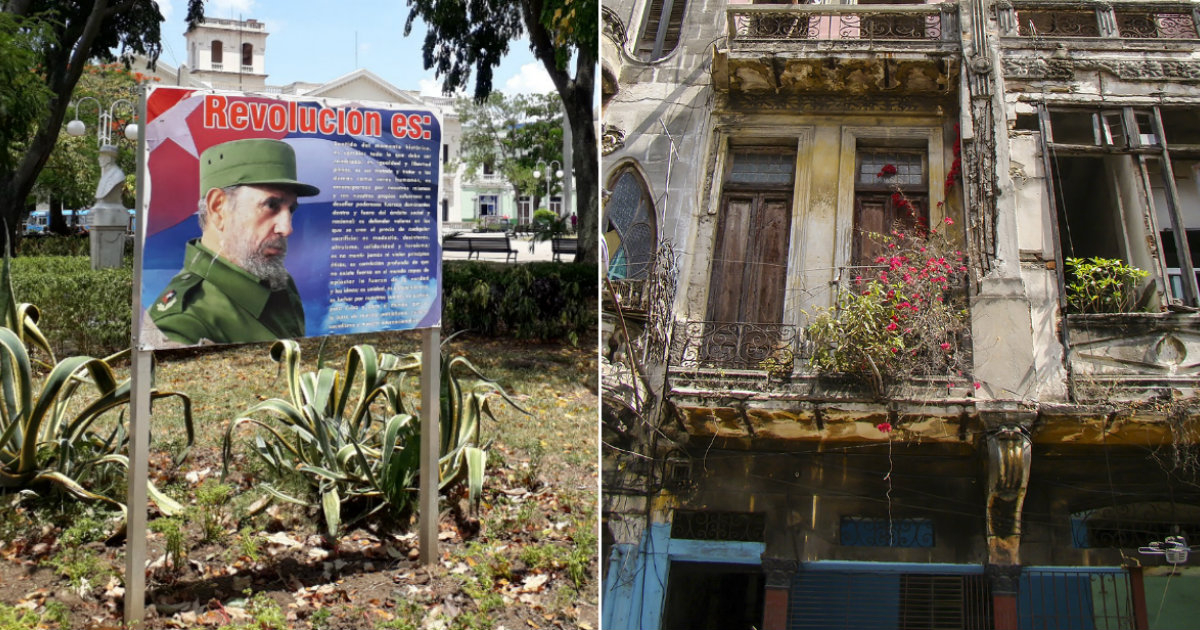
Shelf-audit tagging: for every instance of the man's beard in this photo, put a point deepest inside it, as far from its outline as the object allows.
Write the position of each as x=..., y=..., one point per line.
x=266, y=267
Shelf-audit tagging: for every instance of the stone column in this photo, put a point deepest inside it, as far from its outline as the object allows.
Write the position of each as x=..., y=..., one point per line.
x=1006, y=447
x=779, y=572
x=1005, y=580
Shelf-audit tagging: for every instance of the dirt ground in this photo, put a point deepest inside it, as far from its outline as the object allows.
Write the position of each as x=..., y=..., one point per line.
x=525, y=559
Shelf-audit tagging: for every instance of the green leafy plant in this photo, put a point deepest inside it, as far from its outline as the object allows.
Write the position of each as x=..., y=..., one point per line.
x=172, y=531
x=550, y=228
x=84, y=310
x=902, y=319
x=249, y=544
x=1101, y=285
x=211, y=498
x=527, y=301
x=13, y=618
x=83, y=567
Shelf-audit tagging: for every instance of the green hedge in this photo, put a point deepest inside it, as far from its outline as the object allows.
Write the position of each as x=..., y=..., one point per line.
x=544, y=300
x=88, y=312
x=84, y=311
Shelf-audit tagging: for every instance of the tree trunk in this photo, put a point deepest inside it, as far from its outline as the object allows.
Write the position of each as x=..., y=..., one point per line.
x=585, y=165
x=576, y=94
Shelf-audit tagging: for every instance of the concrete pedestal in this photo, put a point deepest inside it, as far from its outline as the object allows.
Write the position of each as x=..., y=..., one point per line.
x=107, y=233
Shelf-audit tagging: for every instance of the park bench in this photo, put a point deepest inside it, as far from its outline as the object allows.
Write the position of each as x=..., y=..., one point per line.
x=457, y=244
x=492, y=244
x=476, y=245
x=561, y=246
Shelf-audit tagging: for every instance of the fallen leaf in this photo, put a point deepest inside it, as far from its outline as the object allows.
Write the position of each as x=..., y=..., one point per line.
x=534, y=583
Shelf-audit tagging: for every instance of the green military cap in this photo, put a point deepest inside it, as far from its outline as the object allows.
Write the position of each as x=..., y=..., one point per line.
x=251, y=161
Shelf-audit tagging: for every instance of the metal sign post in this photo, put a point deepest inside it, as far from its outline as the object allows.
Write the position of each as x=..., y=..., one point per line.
x=427, y=501
x=139, y=421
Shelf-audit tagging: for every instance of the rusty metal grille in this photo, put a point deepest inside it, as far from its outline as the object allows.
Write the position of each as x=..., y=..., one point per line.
x=732, y=526
x=845, y=24
x=738, y=346
x=907, y=601
x=1052, y=598
x=936, y=602
x=1145, y=25
x=1058, y=23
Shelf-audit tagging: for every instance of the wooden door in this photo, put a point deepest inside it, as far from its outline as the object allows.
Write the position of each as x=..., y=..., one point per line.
x=750, y=260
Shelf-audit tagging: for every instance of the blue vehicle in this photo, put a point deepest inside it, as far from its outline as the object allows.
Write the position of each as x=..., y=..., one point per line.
x=39, y=221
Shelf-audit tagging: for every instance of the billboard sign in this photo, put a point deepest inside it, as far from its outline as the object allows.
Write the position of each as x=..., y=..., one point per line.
x=269, y=217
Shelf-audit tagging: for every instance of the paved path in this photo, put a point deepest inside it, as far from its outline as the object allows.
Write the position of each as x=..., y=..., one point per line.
x=521, y=244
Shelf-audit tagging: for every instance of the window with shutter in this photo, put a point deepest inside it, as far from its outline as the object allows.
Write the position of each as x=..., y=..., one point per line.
x=750, y=259
x=662, y=28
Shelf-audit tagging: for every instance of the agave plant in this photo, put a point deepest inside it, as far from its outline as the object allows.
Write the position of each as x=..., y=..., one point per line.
x=363, y=455
x=48, y=437
x=466, y=396
x=342, y=451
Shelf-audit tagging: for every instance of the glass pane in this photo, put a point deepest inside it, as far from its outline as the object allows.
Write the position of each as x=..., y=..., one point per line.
x=764, y=168
x=891, y=167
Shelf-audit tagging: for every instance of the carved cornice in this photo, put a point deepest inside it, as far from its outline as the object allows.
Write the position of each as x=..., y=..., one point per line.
x=1004, y=578
x=779, y=571
x=797, y=103
x=1039, y=67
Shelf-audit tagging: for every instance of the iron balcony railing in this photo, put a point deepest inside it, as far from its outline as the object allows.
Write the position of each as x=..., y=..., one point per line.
x=774, y=348
x=753, y=25
x=1106, y=20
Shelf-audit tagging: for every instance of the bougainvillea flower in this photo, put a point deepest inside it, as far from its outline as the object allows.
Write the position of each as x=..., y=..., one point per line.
x=884, y=427
x=886, y=171
x=945, y=346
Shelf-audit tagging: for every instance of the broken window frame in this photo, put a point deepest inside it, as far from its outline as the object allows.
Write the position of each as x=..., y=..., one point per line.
x=1121, y=130
x=662, y=17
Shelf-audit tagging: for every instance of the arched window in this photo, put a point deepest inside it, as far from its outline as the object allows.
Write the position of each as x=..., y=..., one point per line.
x=217, y=52
x=661, y=29
x=630, y=234
x=247, y=54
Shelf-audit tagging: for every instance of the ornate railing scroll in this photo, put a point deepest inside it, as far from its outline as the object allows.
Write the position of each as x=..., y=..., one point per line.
x=1113, y=20
x=842, y=23
x=738, y=346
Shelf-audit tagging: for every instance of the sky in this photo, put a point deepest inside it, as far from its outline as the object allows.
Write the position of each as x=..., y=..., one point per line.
x=320, y=40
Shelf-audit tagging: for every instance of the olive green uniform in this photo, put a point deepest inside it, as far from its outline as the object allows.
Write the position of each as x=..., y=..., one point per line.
x=213, y=300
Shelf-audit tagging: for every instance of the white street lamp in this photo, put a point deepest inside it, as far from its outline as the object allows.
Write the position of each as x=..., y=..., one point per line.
x=537, y=174
x=104, y=128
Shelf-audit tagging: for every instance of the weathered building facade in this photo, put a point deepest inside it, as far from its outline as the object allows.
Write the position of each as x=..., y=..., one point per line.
x=751, y=150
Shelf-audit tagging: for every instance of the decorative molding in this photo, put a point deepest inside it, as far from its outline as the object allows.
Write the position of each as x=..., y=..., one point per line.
x=792, y=103
x=1134, y=346
x=612, y=139
x=779, y=571
x=1039, y=67
x=1005, y=579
